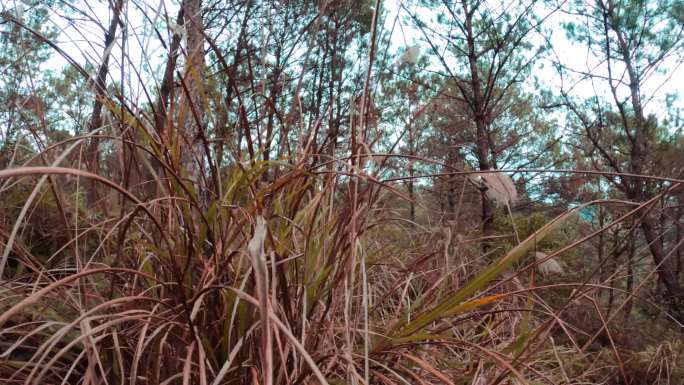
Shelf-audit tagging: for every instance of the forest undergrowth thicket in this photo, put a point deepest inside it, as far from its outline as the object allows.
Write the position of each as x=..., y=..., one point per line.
x=244, y=225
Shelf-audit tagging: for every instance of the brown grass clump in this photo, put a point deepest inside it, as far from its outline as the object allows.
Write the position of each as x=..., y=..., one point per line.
x=264, y=285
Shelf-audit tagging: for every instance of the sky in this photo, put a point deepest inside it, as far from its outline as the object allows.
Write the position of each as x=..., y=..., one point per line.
x=83, y=39
x=573, y=55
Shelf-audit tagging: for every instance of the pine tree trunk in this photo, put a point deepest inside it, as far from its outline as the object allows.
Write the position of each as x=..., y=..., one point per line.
x=195, y=69
x=678, y=239
x=666, y=269
x=635, y=186
x=478, y=108
x=630, y=277
x=95, y=122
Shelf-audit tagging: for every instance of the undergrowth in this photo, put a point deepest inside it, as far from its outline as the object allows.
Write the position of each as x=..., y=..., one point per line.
x=299, y=278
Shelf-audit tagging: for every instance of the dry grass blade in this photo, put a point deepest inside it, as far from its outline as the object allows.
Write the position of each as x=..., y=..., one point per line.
x=29, y=201
x=298, y=346
x=187, y=366
x=453, y=303
x=255, y=247
x=38, y=295
x=429, y=368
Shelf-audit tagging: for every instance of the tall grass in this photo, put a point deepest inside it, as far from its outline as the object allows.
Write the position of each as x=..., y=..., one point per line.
x=260, y=282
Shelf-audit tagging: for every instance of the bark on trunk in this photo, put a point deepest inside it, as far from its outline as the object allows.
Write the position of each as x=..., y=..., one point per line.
x=635, y=185
x=162, y=104
x=678, y=239
x=667, y=268
x=194, y=74
x=480, y=117
x=95, y=122
x=630, y=278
